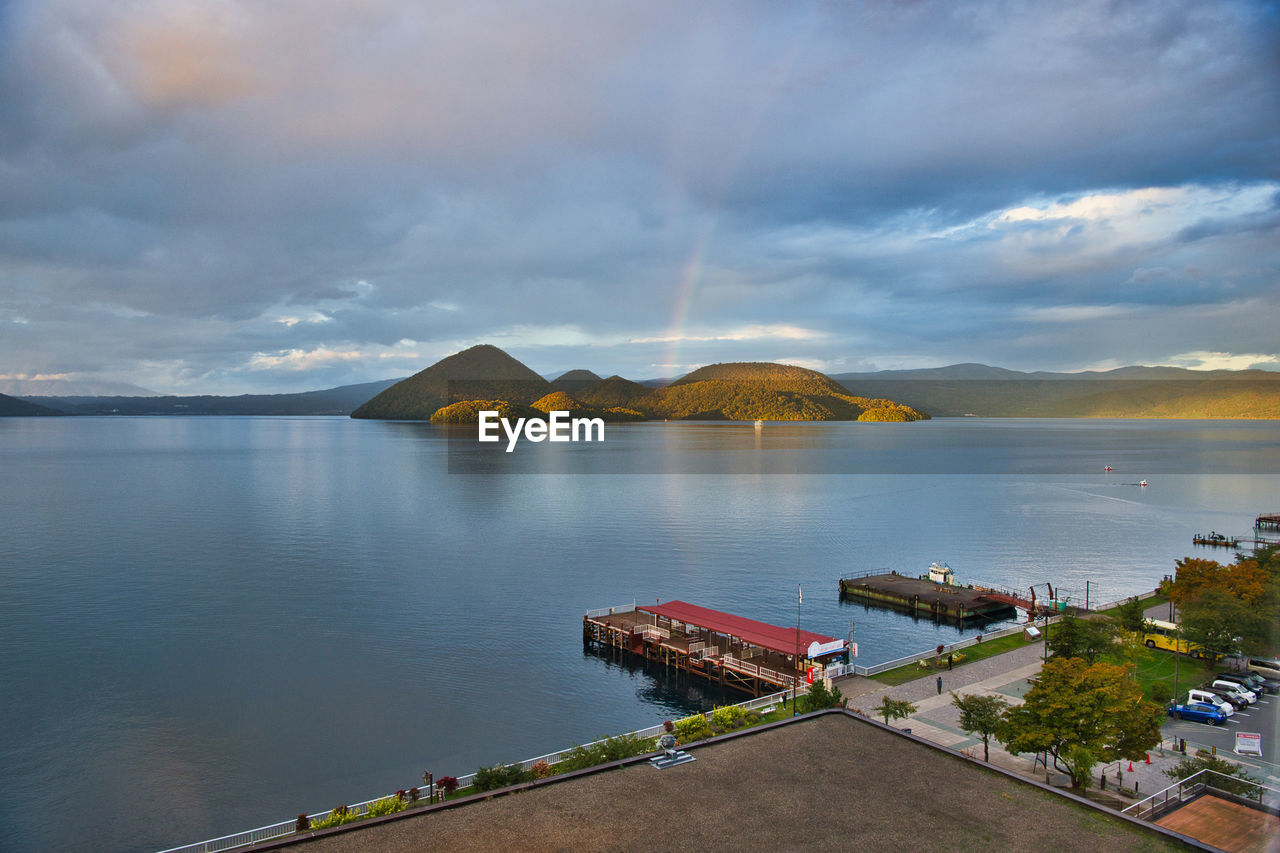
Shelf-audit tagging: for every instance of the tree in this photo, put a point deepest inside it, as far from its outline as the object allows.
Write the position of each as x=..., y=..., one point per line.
x=1082, y=714
x=1214, y=621
x=1088, y=639
x=894, y=709
x=820, y=696
x=1231, y=778
x=980, y=715
x=1222, y=603
x=1131, y=615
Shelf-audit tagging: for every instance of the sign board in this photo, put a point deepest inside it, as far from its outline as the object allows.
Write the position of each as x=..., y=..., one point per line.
x=816, y=648
x=808, y=676
x=853, y=650
x=1249, y=743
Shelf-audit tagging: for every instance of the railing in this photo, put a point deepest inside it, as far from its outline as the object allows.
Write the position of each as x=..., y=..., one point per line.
x=1171, y=797
x=284, y=828
x=650, y=632
x=610, y=611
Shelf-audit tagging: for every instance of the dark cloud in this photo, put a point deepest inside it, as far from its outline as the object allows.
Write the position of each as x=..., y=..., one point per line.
x=231, y=196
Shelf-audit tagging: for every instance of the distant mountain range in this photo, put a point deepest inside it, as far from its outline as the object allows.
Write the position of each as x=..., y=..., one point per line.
x=737, y=391
x=1127, y=392
x=71, y=388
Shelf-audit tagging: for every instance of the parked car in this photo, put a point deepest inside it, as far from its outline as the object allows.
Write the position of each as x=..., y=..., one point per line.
x=1211, y=699
x=1200, y=712
x=1236, y=700
x=1245, y=693
x=1249, y=681
x=1266, y=667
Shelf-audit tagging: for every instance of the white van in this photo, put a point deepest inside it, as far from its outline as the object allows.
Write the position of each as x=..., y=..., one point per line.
x=1231, y=687
x=1266, y=667
x=1211, y=699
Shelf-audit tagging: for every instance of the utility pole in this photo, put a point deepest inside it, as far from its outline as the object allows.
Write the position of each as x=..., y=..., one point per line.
x=1086, y=595
x=795, y=685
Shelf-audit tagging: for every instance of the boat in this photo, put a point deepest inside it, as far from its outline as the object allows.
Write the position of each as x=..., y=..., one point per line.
x=1108, y=468
x=1142, y=482
x=759, y=424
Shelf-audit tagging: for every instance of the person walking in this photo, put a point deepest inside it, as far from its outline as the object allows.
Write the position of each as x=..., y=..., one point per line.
x=939, y=685
x=950, y=660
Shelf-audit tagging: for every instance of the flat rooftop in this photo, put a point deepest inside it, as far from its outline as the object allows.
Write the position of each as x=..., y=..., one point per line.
x=831, y=782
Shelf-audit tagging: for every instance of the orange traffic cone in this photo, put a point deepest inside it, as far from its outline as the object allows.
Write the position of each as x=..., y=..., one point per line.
x=1130, y=766
x=1148, y=758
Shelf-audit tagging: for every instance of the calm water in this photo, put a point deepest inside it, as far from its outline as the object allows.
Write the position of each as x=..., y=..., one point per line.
x=210, y=624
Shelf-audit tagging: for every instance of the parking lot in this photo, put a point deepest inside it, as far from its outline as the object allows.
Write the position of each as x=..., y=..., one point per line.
x=1262, y=718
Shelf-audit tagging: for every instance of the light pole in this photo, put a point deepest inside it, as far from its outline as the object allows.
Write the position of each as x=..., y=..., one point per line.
x=795, y=685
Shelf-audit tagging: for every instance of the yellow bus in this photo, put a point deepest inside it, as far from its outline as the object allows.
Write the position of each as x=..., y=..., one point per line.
x=1164, y=635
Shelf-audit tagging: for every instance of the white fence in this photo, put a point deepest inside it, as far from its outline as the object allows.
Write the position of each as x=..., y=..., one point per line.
x=280, y=830
x=609, y=611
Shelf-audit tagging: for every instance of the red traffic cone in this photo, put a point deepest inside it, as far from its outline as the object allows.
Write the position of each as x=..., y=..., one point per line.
x=1130, y=766
x=1148, y=758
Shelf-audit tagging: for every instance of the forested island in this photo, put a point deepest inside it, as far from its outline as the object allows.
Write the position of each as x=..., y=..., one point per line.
x=457, y=388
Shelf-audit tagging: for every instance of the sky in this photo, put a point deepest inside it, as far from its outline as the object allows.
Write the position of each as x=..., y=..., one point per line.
x=214, y=196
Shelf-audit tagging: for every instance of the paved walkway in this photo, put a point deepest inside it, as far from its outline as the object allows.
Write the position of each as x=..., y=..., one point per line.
x=1005, y=675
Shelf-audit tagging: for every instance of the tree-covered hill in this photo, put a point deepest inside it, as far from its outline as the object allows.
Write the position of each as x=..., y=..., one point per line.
x=575, y=381
x=611, y=392
x=482, y=372
x=12, y=407
x=766, y=391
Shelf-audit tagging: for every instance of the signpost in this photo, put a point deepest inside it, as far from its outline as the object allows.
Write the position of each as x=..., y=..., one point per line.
x=1249, y=743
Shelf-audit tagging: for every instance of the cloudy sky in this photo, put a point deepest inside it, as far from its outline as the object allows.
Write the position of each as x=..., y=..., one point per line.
x=214, y=196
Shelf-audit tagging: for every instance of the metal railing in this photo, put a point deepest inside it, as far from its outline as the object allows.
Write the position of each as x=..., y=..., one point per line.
x=1194, y=785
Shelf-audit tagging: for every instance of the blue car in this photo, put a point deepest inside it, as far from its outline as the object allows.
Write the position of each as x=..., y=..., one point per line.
x=1199, y=711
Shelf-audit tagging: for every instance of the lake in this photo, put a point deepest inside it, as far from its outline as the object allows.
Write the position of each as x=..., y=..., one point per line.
x=210, y=624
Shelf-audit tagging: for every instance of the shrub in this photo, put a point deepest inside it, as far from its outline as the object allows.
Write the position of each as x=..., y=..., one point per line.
x=728, y=717
x=692, y=728
x=336, y=817
x=413, y=793
x=499, y=776
x=303, y=824
x=1161, y=693
x=387, y=805
x=541, y=770
x=606, y=750
x=448, y=784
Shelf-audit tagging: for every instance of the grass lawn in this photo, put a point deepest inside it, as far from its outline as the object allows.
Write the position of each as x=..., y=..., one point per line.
x=1155, y=665
x=985, y=649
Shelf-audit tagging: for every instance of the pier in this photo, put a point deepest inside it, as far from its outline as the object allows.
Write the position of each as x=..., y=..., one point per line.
x=747, y=655
x=941, y=601
x=1268, y=521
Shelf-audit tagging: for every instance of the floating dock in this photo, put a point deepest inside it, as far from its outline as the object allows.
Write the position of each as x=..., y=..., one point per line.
x=942, y=601
x=1268, y=521
x=1219, y=539
x=734, y=651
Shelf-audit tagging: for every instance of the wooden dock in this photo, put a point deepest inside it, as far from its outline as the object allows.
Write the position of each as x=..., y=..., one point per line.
x=922, y=597
x=734, y=651
x=1268, y=521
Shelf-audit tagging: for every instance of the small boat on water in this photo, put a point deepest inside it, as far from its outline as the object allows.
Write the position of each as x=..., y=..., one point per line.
x=1142, y=482
x=759, y=424
x=1108, y=468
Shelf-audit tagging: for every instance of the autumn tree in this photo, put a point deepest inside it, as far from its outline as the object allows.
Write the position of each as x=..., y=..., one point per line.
x=980, y=715
x=1082, y=715
x=1229, y=608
